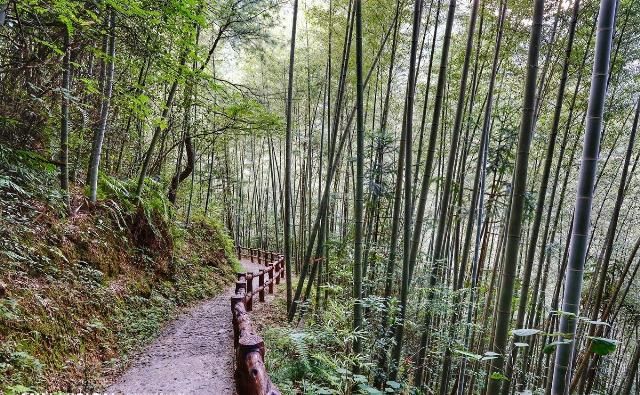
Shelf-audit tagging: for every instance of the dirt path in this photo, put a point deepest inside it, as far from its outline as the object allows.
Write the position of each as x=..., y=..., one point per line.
x=193, y=354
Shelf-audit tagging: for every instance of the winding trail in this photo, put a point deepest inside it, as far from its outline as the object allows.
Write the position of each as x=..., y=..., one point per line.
x=193, y=354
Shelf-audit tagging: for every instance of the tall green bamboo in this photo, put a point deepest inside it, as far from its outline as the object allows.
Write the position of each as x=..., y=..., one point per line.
x=516, y=213
x=424, y=187
x=287, y=167
x=439, y=252
x=359, y=198
x=584, y=196
x=411, y=87
x=64, y=121
x=542, y=191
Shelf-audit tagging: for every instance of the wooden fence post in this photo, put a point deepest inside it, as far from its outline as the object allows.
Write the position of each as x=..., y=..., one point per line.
x=253, y=378
x=251, y=374
x=270, y=269
x=249, y=302
x=261, y=284
x=281, y=267
x=236, y=331
x=241, y=287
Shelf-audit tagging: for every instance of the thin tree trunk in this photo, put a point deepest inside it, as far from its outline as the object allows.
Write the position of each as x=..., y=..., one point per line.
x=64, y=122
x=409, y=102
x=424, y=190
x=632, y=371
x=359, y=181
x=439, y=252
x=98, y=137
x=287, y=168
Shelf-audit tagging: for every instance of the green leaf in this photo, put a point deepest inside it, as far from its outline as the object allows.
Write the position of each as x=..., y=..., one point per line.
x=602, y=346
x=563, y=313
x=342, y=371
x=549, y=348
x=525, y=332
x=519, y=344
x=393, y=384
x=598, y=323
x=498, y=376
x=358, y=378
x=368, y=389
x=18, y=389
x=489, y=355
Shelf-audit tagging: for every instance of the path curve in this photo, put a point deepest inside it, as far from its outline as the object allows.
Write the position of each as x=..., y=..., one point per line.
x=193, y=354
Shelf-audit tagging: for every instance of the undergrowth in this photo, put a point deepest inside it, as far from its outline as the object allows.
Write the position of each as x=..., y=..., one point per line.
x=314, y=356
x=79, y=293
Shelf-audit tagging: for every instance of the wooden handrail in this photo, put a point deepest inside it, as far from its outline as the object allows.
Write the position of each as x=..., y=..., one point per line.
x=251, y=374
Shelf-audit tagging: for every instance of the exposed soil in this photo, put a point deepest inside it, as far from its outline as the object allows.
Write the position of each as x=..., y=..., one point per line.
x=193, y=354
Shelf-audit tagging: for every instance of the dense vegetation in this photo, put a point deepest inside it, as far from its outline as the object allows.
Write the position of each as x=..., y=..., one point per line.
x=80, y=294
x=453, y=184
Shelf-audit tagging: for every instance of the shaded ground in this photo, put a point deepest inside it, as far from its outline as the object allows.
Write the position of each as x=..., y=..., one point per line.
x=194, y=353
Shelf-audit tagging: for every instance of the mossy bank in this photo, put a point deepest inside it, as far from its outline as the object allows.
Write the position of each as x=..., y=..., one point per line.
x=80, y=292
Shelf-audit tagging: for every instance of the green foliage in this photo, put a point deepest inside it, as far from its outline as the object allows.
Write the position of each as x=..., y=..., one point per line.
x=551, y=347
x=18, y=367
x=317, y=359
x=525, y=332
x=27, y=175
x=602, y=346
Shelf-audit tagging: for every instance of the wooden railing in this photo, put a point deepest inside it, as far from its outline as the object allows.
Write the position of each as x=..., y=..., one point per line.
x=251, y=375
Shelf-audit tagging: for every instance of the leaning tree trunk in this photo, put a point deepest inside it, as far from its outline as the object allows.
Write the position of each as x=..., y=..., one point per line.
x=332, y=162
x=287, y=167
x=581, y=378
x=156, y=134
x=511, y=252
x=584, y=197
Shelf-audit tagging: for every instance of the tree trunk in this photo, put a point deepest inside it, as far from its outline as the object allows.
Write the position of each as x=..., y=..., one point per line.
x=409, y=102
x=98, y=137
x=511, y=252
x=632, y=371
x=359, y=181
x=439, y=252
x=542, y=191
x=584, y=197
x=64, y=121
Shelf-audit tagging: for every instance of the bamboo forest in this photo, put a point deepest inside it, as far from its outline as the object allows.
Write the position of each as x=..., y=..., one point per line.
x=264, y=197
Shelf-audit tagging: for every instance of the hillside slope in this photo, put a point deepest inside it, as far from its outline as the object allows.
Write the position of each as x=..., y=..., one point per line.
x=80, y=292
